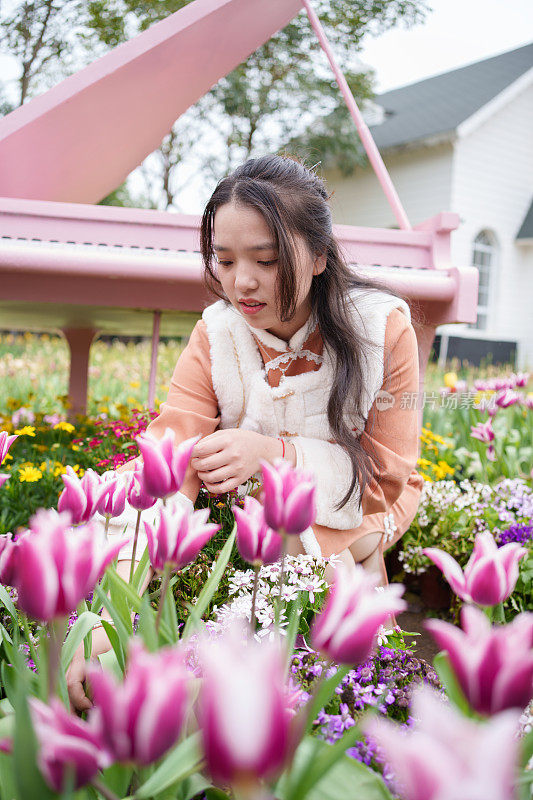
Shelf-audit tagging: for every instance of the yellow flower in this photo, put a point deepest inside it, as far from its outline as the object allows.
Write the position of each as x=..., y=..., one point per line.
x=30, y=474
x=220, y=505
x=103, y=409
x=43, y=466
x=64, y=426
x=27, y=430
x=450, y=379
x=60, y=469
x=78, y=470
x=135, y=384
x=8, y=457
x=426, y=477
x=74, y=447
x=55, y=445
x=441, y=469
x=130, y=399
x=424, y=462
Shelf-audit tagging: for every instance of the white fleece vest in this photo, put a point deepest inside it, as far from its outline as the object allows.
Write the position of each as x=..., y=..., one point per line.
x=297, y=408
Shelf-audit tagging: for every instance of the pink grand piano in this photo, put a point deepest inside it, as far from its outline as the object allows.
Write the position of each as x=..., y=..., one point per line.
x=68, y=264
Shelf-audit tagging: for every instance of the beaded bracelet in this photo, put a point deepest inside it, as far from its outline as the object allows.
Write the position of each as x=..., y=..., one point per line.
x=283, y=443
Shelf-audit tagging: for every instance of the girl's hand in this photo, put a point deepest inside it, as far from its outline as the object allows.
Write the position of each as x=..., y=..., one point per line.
x=77, y=671
x=227, y=458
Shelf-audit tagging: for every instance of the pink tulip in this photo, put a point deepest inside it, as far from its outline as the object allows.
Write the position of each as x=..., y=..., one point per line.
x=494, y=665
x=178, y=537
x=113, y=502
x=507, y=398
x=142, y=716
x=67, y=745
x=521, y=379
x=54, y=566
x=5, y=443
x=7, y=548
x=138, y=497
x=81, y=497
x=289, y=497
x=446, y=756
x=244, y=708
x=257, y=543
x=164, y=465
x=3, y=478
x=490, y=575
x=483, y=431
x=346, y=628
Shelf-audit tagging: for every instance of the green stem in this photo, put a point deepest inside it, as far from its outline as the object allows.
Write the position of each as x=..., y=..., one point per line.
x=277, y=610
x=164, y=587
x=254, y=598
x=57, y=634
x=132, y=566
x=107, y=518
x=103, y=789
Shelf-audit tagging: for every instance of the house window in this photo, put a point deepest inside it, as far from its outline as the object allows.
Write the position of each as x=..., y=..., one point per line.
x=484, y=255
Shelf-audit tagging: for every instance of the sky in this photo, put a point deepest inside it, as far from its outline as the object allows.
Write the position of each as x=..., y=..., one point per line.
x=455, y=33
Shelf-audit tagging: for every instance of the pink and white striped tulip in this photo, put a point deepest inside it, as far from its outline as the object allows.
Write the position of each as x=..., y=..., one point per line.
x=164, y=465
x=483, y=431
x=289, y=497
x=138, y=497
x=493, y=665
x=68, y=746
x=3, y=478
x=346, y=629
x=507, y=397
x=178, y=537
x=5, y=443
x=257, y=543
x=489, y=576
x=82, y=496
x=113, y=502
x=244, y=708
x=55, y=567
x=142, y=716
x=7, y=549
x=446, y=756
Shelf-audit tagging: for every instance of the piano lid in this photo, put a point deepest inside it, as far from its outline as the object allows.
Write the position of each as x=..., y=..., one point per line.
x=79, y=140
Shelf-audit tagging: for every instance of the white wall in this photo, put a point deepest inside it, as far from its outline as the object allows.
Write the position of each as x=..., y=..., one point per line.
x=422, y=178
x=492, y=189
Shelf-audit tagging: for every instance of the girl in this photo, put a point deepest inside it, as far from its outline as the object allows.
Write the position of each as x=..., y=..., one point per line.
x=300, y=358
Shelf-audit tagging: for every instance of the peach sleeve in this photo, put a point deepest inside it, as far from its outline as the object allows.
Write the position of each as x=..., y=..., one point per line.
x=391, y=434
x=191, y=406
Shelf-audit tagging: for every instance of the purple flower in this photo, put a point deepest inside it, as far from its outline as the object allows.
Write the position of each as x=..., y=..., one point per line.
x=289, y=497
x=520, y=533
x=178, y=537
x=493, y=665
x=490, y=574
x=82, y=497
x=53, y=567
x=257, y=543
x=164, y=465
x=67, y=745
x=346, y=629
x=507, y=398
x=445, y=756
x=141, y=717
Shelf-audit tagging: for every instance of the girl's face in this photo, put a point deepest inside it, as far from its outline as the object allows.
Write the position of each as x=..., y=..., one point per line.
x=248, y=267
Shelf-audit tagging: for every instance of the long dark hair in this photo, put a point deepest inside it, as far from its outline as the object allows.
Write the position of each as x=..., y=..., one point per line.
x=293, y=200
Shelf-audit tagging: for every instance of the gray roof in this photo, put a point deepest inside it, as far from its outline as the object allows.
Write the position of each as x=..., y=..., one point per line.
x=436, y=106
x=526, y=231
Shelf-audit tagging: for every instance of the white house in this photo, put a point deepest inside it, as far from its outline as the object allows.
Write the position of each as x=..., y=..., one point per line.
x=463, y=142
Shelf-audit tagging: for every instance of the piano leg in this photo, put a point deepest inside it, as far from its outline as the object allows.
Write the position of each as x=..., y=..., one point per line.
x=79, y=342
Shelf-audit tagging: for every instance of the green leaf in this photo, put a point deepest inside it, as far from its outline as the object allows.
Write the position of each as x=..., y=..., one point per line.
x=132, y=597
x=292, y=628
x=8, y=602
x=192, y=786
x=140, y=571
x=85, y=623
x=447, y=677
x=207, y=593
x=146, y=626
x=183, y=761
x=326, y=773
x=29, y=781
